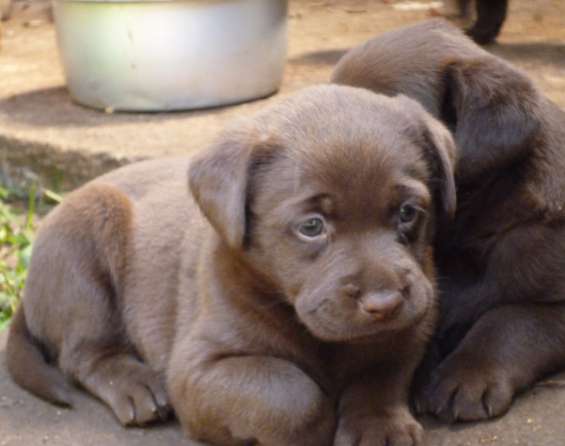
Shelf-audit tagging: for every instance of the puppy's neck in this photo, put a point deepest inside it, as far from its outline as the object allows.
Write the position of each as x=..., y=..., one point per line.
x=236, y=268
x=243, y=298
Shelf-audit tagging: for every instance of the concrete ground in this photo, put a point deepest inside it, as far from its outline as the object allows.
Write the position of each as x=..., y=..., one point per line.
x=43, y=133
x=537, y=419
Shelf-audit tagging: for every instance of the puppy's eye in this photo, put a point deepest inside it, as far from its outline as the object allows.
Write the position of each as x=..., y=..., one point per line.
x=312, y=228
x=407, y=213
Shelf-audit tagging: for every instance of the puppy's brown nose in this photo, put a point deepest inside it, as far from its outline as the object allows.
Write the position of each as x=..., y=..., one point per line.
x=382, y=305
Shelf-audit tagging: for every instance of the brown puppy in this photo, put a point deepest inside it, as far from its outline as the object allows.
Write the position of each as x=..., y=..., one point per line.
x=299, y=301
x=502, y=260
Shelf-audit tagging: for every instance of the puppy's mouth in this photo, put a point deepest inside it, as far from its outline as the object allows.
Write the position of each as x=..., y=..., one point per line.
x=333, y=334
x=326, y=332
x=332, y=320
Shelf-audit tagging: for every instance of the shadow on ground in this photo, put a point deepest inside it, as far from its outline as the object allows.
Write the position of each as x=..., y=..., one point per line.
x=326, y=57
x=539, y=53
x=54, y=107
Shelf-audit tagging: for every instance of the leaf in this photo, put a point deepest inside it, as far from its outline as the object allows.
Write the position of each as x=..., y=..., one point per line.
x=53, y=196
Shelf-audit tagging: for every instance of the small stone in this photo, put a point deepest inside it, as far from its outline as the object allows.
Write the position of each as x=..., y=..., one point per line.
x=34, y=23
x=6, y=402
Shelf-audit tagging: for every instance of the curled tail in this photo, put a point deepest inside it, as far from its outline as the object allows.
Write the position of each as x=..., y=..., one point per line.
x=29, y=368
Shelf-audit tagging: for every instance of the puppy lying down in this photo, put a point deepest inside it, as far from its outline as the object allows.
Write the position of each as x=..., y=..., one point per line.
x=286, y=300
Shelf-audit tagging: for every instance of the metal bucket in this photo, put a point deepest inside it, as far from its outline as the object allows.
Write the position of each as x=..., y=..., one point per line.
x=156, y=55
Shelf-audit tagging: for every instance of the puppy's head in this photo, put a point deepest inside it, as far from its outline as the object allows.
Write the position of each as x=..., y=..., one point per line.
x=332, y=196
x=490, y=106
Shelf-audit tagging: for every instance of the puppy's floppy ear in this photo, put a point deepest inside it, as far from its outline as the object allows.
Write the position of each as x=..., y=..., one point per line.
x=440, y=154
x=219, y=180
x=491, y=108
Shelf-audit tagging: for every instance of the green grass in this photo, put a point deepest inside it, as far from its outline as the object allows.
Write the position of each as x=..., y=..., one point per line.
x=17, y=227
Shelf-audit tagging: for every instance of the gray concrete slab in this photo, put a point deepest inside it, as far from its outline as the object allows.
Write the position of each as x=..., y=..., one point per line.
x=537, y=419
x=42, y=131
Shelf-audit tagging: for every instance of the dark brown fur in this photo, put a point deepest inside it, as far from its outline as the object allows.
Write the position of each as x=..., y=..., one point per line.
x=502, y=260
x=258, y=333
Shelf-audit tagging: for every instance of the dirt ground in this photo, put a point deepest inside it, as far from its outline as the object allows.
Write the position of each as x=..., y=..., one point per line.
x=43, y=131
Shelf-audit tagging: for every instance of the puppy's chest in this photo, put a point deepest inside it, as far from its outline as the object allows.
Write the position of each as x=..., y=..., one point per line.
x=332, y=365
x=342, y=363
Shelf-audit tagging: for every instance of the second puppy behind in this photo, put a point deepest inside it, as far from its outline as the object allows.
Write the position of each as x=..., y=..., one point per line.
x=502, y=258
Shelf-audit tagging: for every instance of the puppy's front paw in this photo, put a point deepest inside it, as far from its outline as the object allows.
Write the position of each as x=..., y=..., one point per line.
x=465, y=390
x=133, y=391
x=398, y=429
x=141, y=401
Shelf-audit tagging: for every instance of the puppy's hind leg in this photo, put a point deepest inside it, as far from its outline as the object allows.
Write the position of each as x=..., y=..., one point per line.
x=74, y=300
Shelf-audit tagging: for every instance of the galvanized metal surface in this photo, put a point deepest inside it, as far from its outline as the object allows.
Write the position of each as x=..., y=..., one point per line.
x=171, y=55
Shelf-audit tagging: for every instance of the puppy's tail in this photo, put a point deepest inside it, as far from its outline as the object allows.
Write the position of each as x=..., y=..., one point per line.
x=29, y=368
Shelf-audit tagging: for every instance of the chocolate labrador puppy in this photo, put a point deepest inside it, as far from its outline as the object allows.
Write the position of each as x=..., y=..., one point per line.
x=286, y=301
x=502, y=259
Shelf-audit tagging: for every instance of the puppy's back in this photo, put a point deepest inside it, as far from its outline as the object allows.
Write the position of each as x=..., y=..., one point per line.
x=410, y=60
